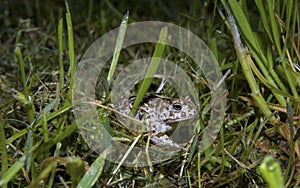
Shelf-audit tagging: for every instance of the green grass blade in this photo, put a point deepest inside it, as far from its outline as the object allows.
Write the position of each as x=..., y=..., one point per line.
x=17, y=135
x=29, y=106
x=290, y=114
x=274, y=27
x=57, y=138
x=113, y=9
x=54, y=114
x=290, y=79
x=90, y=10
x=52, y=175
x=45, y=128
x=244, y=60
x=118, y=48
x=12, y=171
x=60, y=53
x=70, y=47
x=188, y=176
x=255, y=46
x=43, y=174
x=94, y=172
x=29, y=144
x=199, y=169
x=158, y=52
x=271, y=172
x=16, y=167
x=245, y=28
x=264, y=18
x=243, y=23
x=4, y=155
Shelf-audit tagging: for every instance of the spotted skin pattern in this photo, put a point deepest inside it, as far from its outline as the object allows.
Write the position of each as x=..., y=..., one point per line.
x=157, y=112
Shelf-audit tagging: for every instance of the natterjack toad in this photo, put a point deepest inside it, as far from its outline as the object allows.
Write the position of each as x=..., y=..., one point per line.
x=157, y=112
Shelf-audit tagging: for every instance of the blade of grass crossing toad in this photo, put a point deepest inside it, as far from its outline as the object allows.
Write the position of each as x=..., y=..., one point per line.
x=158, y=52
x=120, y=39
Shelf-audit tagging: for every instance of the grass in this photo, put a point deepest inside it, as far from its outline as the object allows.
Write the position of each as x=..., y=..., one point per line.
x=41, y=43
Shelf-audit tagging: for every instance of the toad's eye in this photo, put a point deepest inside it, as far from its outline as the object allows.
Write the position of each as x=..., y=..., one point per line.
x=177, y=106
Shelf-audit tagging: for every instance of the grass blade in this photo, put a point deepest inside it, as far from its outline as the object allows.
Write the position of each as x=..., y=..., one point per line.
x=243, y=23
x=70, y=47
x=158, y=52
x=121, y=36
x=60, y=53
x=244, y=61
x=59, y=137
x=274, y=27
x=16, y=167
x=4, y=155
x=271, y=172
x=264, y=18
x=290, y=114
x=94, y=172
x=29, y=106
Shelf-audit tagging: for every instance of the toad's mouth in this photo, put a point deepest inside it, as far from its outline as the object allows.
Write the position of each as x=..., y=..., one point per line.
x=181, y=119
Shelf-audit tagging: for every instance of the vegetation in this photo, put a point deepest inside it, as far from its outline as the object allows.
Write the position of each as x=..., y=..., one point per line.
x=258, y=41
